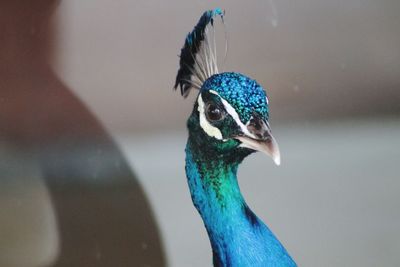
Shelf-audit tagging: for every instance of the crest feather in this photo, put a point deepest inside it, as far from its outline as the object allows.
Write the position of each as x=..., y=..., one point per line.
x=198, y=59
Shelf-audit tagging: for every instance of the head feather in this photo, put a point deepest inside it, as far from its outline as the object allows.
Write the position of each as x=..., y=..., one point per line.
x=198, y=59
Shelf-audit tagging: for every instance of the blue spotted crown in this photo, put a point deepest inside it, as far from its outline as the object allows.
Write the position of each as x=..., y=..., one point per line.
x=244, y=94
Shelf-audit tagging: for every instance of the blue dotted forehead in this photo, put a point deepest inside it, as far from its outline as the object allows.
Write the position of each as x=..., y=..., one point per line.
x=244, y=94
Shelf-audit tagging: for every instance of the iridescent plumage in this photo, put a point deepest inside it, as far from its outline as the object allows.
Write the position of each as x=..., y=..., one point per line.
x=229, y=121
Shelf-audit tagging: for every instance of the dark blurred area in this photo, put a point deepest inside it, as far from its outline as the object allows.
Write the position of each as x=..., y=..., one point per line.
x=68, y=197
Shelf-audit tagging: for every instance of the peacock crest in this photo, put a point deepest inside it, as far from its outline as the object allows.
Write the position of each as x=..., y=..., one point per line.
x=229, y=121
x=198, y=58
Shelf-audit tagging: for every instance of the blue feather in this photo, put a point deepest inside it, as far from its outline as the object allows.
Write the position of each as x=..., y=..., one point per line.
x=238, y=237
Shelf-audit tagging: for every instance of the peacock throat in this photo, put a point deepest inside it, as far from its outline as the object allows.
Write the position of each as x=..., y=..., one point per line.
x=229, y=121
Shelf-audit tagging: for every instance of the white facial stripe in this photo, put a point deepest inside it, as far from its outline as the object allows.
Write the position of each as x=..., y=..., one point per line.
x=234, y=115
x=205, y=125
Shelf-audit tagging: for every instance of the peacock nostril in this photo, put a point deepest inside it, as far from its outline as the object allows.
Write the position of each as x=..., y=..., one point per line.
x=265, y=136
x=259, y=128
x=257, y=125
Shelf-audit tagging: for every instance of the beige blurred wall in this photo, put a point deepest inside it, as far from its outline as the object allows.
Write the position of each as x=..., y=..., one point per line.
x=317, y=59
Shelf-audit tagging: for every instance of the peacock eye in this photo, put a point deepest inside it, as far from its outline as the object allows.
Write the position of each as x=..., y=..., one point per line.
x=214, y=113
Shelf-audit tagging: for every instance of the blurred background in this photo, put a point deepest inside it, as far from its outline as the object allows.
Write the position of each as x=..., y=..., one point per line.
x=92, y=134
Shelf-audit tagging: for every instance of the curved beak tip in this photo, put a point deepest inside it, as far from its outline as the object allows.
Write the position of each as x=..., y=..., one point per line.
x=270, y=147
x=277, y=160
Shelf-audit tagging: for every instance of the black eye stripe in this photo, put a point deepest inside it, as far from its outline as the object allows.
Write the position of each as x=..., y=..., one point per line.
x=210, y=98
x=218, y=105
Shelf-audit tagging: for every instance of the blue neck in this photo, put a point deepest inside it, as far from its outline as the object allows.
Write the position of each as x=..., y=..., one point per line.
x=237, y=236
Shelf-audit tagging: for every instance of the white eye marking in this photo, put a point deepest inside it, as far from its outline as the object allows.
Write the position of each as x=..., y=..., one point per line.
x=231, y=111
x=213, y=92
x=266, y=98
x=204, y=124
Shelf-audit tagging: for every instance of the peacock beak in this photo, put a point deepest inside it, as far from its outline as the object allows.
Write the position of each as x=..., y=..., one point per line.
x=258, y=137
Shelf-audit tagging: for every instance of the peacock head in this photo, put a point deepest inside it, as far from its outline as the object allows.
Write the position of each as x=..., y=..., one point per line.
x=230, y=115
x=230, y=118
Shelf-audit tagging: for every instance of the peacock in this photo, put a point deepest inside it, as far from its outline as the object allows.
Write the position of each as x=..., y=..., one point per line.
x=229, y=121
